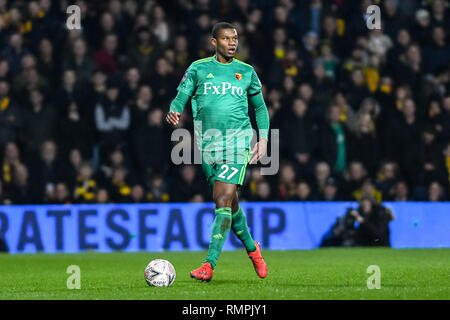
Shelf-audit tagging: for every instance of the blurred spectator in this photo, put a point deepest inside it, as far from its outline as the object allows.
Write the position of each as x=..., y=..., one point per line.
x=161, y=81
x=86, y=187
x=120, y=186
x=21, y=192
x=15, y=50
x=133, y=78
x=29, y=79
x=47, y=63
x=106, y=57
x=157, y=190
x=286, y=186
x=435, y=192
x=353, y=179
x=393, y=19
x=406, y=141
x=429, y=157
x=333, y=140
x=143, y=52
x=409, y=70
x=400, y=191
x=386, y=179
x=80, y=61
x=437, y=53
x=40, y=123
x=11, y=116
x=438, y=14
x=303, y=192
x=250, y=188
x=75, y=131
x=368, y=189
x=61, y=194
x=263, y=192
x=331, y=191
x=379, y=43
x=69, y=92
x=112, y=119
x=403, y=40
x=298, y=136
x=11, y=159
x=187, y=187
x=72, y=164
x=321, y=176
x=357, y=90
x=150, y=154
x=141, y=108
x=46, y=171
x=363, y=143
x=137, y=194
x=4, y=70
x=116, y=160
x=159, y=24
x=182, y=56
x=102, y=196
x=421, y=27
x=329, y=61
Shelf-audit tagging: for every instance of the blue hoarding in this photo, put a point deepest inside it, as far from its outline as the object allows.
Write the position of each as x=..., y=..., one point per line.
x=187, y=226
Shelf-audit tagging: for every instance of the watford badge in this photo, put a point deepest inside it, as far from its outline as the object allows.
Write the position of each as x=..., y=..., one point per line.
x=238, y=76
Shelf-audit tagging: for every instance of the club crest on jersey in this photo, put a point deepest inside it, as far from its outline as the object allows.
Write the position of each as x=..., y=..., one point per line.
x=238, y=76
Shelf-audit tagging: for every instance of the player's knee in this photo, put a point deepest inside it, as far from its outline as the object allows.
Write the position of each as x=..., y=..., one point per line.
x=223, y=200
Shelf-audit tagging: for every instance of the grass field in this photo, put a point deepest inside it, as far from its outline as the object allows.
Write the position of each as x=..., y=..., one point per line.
x=314, y=274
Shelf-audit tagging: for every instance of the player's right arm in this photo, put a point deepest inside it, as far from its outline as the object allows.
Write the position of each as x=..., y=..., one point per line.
x=186, y=90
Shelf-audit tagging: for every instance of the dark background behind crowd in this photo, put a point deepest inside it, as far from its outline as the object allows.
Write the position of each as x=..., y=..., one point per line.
x=360, y=112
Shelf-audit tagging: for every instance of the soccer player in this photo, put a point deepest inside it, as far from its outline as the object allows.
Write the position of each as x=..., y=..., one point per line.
x=220, y=88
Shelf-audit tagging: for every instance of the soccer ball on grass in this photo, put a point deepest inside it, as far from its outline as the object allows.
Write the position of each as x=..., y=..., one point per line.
x=160, y=273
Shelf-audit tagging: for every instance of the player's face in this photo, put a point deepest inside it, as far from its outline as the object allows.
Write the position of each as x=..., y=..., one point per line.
x=226, y=42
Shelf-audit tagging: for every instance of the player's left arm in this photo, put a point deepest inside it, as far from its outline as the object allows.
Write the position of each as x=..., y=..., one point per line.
x=256, y=99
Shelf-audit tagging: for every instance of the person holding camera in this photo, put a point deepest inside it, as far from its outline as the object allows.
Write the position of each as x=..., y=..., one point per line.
x=371, y=223
x=368, y=225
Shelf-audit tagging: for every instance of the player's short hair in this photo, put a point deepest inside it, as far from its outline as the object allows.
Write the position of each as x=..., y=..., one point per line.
x=219, y=26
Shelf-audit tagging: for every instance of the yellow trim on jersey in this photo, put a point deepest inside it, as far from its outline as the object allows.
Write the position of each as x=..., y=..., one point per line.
x=203, y=60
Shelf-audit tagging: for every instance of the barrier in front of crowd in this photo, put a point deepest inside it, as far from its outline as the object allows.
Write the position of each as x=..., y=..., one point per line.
x=187, y=226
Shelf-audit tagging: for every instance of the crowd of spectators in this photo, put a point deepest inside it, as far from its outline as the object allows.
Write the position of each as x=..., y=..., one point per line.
x=360, y=112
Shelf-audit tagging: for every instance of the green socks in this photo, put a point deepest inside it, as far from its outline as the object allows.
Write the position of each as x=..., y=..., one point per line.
x=220, y=230
x=240, y=229
x=223, y=222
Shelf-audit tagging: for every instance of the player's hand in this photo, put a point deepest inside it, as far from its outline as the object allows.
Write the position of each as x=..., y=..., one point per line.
x=173, y=117
x=258, y=151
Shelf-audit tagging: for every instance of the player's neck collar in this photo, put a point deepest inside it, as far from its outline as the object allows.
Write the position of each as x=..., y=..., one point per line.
x=224, y=64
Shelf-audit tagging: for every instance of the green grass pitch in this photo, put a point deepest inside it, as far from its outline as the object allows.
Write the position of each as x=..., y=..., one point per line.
x=313, y=274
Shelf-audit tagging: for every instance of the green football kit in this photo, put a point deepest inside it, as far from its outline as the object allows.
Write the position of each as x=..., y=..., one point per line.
x=220, y=94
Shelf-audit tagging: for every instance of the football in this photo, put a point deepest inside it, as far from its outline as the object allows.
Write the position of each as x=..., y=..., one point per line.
x=160, y=273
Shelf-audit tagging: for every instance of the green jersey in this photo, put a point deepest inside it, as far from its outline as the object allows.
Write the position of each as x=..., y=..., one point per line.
x=219, y=96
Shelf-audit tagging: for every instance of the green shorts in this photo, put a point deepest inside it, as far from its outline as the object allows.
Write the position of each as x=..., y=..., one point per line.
x=228, y=168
